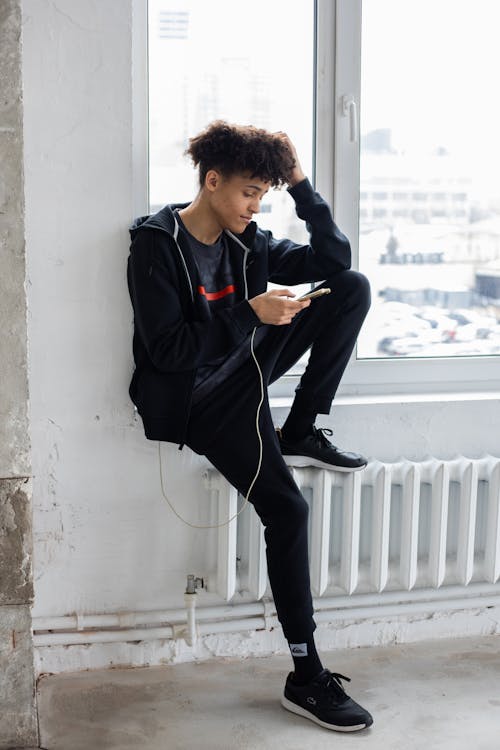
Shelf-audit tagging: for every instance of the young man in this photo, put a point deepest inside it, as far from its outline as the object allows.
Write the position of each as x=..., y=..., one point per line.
x=197, y=276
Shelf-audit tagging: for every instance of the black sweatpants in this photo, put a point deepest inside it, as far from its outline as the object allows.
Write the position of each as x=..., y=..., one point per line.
x=222, y=427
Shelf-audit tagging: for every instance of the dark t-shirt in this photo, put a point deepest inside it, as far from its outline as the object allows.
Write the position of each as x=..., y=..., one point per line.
x=218, y=285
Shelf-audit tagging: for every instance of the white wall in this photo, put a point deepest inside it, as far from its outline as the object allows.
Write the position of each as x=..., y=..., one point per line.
x=104, y=538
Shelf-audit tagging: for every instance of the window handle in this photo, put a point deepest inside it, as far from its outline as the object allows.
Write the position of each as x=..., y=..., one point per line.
x=349, y=110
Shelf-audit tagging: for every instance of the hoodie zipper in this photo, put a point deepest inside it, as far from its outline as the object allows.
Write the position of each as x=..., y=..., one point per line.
x=188, y=411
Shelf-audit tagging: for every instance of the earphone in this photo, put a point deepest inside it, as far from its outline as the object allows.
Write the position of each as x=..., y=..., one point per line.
x=257, y=414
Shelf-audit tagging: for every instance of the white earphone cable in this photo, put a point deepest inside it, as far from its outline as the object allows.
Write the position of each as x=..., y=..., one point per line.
x=218, y=525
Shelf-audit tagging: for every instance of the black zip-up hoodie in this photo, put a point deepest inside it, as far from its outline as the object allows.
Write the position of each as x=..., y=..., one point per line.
x=174, y=330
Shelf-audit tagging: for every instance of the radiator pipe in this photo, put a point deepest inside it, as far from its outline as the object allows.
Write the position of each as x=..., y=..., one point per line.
x=260, y=621
x=477, y=592
x=190, y=632
x=130, y=620
x=193, y=582
x=167, y=632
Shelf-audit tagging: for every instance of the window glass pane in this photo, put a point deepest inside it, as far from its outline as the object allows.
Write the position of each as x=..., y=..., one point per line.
x=429, y=189
x=235, y=61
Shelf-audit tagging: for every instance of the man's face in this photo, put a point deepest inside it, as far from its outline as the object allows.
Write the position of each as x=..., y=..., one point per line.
x=235, y=199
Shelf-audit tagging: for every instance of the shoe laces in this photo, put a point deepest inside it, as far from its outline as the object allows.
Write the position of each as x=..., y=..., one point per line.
x=332, y=681
x=320, y=434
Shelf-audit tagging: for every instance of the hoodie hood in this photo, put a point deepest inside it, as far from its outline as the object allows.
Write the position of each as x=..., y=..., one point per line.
x=164, y=220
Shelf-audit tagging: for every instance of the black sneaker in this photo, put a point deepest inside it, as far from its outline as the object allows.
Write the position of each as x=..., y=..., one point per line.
x=324, y=701
x=316, y=450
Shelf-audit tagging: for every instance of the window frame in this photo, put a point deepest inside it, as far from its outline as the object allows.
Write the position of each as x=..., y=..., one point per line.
x=338, y=44
x=336, y=176
x=140, y=108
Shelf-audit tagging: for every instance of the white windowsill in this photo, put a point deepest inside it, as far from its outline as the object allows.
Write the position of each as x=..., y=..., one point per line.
x=397, y=398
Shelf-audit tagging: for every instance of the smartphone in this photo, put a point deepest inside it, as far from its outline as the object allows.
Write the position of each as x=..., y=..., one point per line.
x=314, y=293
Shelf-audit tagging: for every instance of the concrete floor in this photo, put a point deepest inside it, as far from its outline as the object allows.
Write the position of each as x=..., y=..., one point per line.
x=423, y=696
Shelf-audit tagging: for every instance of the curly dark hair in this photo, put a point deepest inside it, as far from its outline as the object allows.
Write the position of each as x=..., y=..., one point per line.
x=234, y=149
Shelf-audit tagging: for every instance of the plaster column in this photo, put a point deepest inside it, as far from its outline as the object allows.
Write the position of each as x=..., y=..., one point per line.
x=18, y=724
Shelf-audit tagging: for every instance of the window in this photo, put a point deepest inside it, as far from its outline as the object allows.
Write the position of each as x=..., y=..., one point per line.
x=248, y=69
x=434, y=293
x=434, y=323
x=388, y=136
x=245, y=70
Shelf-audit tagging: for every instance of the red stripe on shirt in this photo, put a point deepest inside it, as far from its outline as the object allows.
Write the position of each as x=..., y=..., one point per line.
x=216, y=295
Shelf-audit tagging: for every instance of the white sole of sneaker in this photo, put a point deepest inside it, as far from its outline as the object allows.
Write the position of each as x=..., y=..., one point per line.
x=301, y=461
x=290, y=706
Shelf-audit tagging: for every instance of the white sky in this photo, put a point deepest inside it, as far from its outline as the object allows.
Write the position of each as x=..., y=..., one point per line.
x=430, y=72
x=276, y=37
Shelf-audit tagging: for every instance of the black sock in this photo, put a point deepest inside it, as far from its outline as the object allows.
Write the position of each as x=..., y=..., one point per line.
x=306, y=660
x=299, y=423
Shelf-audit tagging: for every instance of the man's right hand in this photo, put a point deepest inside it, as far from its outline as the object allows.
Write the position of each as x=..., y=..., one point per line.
x=276, y=308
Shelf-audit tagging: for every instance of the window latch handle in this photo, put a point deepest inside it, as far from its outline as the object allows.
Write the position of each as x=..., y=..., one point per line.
x=350, y=110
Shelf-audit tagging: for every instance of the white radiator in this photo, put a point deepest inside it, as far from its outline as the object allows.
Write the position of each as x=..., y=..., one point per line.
x=392, y=527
